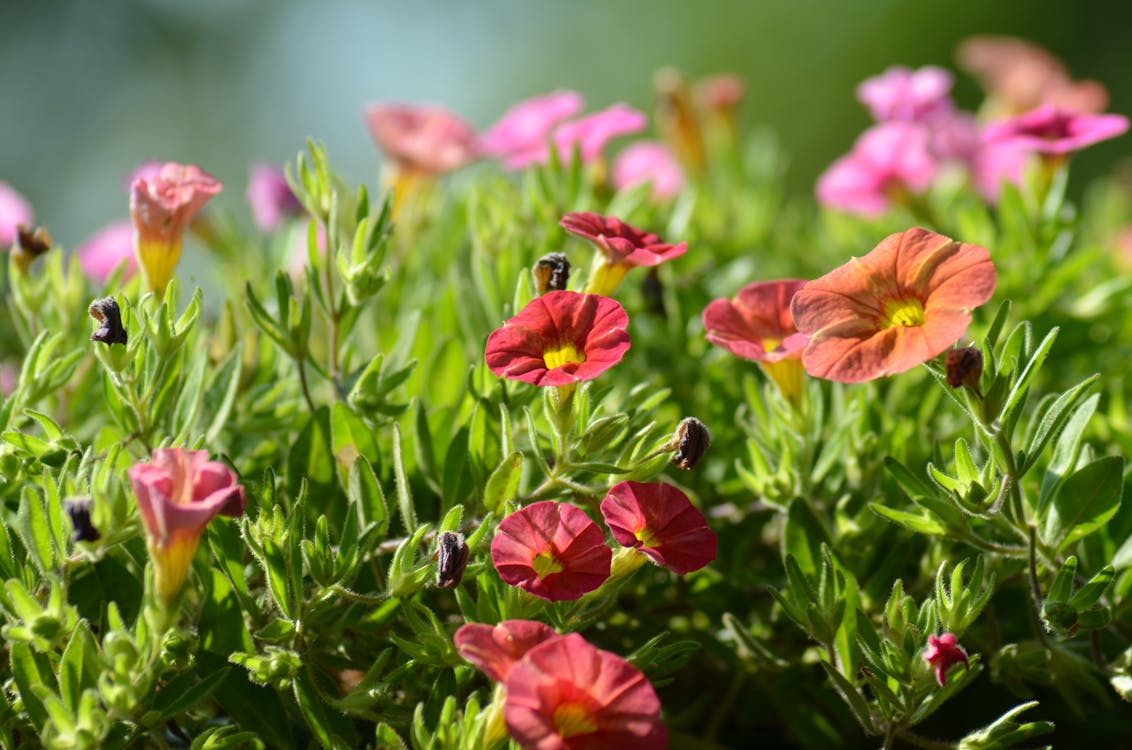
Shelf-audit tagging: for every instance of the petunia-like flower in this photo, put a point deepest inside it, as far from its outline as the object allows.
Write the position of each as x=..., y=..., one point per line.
x=178, y=494
x=161, y=208
x=905, y=302
x=994, y=165
x=591, y=133
x=757, y=324
x=1055, y=132
x=887, y=161
x=520, y=137
x=105, y=250
x=660, y=521
x=421, y=138
x=901, y=93
x=560, y=338
x=649, y=162
x=566, y=694
x=14, y=211
x=552, y=550
x=495, y=649
x=942, y=653
x=270, y=197
x=621, y=247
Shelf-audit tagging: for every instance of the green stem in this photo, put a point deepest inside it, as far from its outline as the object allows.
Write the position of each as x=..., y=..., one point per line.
x=302, y=362
x=1036, y=591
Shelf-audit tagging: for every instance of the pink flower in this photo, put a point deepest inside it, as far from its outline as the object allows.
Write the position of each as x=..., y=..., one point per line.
x=9, y=376
x=623, y=247
x=660, y=521
x=998, y=163
x=520, y=137
x=591, y=133
x=943, y=653
x=565, y=694
x=178, y=494
x=1055, y=132
x=495, y=649
x=270, y=197
x=421, y=138
x=105, y=250
x=649, y=162
x=148, y=170
x=14, y=210
x=887, y=159
x=904, y=94
x=552, y=550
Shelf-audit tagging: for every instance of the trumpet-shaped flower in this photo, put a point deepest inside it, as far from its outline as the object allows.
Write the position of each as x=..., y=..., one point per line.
x=495, y=649
x=420, y=138
x=14, y=211
x=887, y=161
x=590, y=134
x=520, y=137
x=649, y=162
x=621, y=247
x=552, y=550
x=105, y=250
x=1055, y=132
x=178, y=493
x=161, y=208
x=660, y=521
x=566, y=694
x=942, y=653
x=901, y=93
x=270, y=197
x=905, y=302
x=559, y=338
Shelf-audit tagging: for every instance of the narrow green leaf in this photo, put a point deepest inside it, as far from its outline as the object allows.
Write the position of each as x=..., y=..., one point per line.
x=404, y=496
x=503, y=484
x=910, y=521
x=1086, y=500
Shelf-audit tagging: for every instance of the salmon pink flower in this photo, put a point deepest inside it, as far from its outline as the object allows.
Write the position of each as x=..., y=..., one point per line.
x=14, y=210
x=520, y=137
x=270, y=197
x=887, y=161
x=591, y=133
x=660, y=521
x=560, y=338
x=649, y=162
x=943, y=653
x=552, y=550
x=1055, y=132
x=178, y=494
x=757, y=324
x=105, y=250
x=620, y=247
x=421, y=138
x=495, y=649
x=905, y=302
x=566, y=694
x=904, y=94
x=161, y=208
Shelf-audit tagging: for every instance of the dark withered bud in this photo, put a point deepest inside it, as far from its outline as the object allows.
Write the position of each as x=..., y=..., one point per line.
x=964, y=366
x=692, y=441
x=30, y=245
x=82, y=530
x=109, y=317
x=652, y=289
x=551, y=272
x=452, y=557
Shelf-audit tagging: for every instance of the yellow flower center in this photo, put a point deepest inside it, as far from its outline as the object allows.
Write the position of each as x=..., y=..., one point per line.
x=545, y=564
x=563, y=355
x=769, y=345
x=905, y=313
x=572, y=719
x=647, y=538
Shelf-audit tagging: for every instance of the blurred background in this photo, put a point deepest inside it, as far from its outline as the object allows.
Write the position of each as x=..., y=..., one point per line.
x=91, y=89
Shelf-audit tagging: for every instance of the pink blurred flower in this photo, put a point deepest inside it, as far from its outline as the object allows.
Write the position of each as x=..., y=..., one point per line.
x=942, y=653
x=998, y=163
x=149, y=169
x=270, y=197
x=649, y=162
x=1055, y=132
x=14, y=210
x=520, y=137
x=495, y=649
x=9, y=376
x=591, y=133
x=660, y=521
x=105, y=250
x=422, y=138
x=904, y=94
x=886, y=159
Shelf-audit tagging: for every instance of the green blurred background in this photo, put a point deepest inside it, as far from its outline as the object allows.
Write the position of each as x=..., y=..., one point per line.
x=90, y=89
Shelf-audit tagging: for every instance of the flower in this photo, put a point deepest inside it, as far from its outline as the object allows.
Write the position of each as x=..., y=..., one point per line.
x=105, y=250
x=421, y=138
x=161, y=208
x=552, y=550
x=270, y=197
x=14, y=211
x=887, y=161
x=494, y=649
x=621, y=246
x=942, y=653
x=649, y=162
x=905, y=302
x=520, y=137
x=589, y=134
x=1055, y=132
x=995, y=164
x=82, y=528
x=901, y=93
x=178, y=494
x=660, y=521
x=559, y=338
x=566, y=694
x=757, y=324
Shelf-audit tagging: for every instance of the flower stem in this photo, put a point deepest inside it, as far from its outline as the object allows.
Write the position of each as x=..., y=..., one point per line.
x=1036, y=590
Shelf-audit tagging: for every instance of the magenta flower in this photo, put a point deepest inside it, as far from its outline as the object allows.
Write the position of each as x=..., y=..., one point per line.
x=650, y=162
x=421, y=138
x=270, y=197
x=591, y=133
x=105, y=250
x=495, y=649
x=520, y=137
x=943, y=653
x=908, y=95
x=1055, y=132
x=660, y=521
x=552, y=550
x=14, y=210
x=620, y=242
x=998, y=163
x=887, y=160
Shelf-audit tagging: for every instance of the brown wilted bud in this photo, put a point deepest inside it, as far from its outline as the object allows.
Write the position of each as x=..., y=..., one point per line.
x=964, y=366
x=30, y=245
x=551, y=273
x=82, y=530
x=676, y=119
x=692, y=441
x=452, y=558
x=110, y=329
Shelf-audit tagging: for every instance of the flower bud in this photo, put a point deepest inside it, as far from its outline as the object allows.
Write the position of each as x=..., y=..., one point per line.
x=692, y=440
x=942, y=653
x=30, y=245
x=109, y=317
x=551, y=273
x=964, y=367
x=452, y=557
x=82, y=530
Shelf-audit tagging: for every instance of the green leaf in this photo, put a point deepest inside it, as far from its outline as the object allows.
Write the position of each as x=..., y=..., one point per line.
x=26, y=674
x=1085, y=502
x=185, y=691
x=910, y=521
x=803, y=536
x=328, y=725
x=310, y=459
x=852, y=697
x=404, y=496
x=503, y=484
x=364, y=490
x=220, y=393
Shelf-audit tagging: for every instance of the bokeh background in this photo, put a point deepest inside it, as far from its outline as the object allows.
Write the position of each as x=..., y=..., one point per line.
x=89, y=89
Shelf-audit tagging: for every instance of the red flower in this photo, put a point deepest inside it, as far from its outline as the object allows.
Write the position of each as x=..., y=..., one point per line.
x=495, y=649
x=902, y=304
x=943, y=653
x=426, y=139
x=660, y=521
x=559, y=338
x=565, y=694
x=552, y=550
x=620, y=242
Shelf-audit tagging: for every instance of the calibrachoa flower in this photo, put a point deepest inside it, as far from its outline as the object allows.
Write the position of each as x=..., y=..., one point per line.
x=270, y=197
x=757, y=324
x=566, y=694
x=14, y=210
x=621, y=247
x=178, y=494
x=901, y=93
x=495, y=649
x=105, y=250
x=552, y=550
x=905, y=302
x=887, y=161
x=559, y=338
x=942, y=653
x=520, y=137
x=660, y=521
x=649, y=162
x=589, y=134
x=421, y=138
x=1055, y=132
x=161, y=208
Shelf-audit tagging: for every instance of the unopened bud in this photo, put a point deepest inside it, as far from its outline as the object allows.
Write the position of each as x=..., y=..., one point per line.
x=692, y=440
x=452, y=557
x=964, y=367
x=551, y=273
x=30, y=245
x=110, y=330
x=82, y=530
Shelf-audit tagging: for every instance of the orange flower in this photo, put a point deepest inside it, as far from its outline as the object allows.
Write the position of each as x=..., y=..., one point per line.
x=902, y=304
